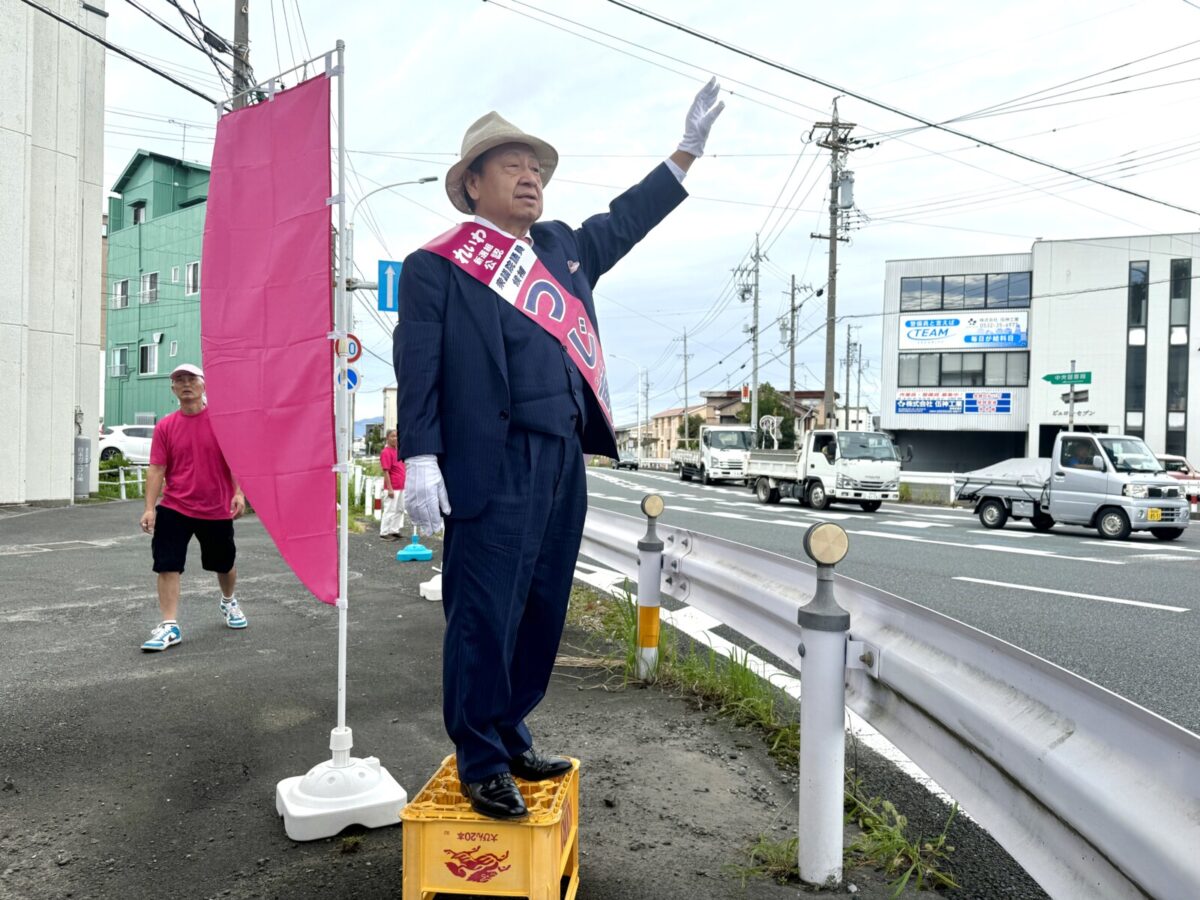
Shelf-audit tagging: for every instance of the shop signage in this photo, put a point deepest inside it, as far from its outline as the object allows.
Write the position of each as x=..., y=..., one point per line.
x=1007, y=330
x=954, y=402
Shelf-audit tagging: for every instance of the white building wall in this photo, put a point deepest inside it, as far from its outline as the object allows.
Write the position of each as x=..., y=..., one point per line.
x=1080, y=312
x=1018, y=418
x=51, y=164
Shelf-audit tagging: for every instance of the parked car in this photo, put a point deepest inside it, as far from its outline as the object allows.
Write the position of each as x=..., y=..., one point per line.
x=627, y=461
x=1178, y=467
x=130, y=441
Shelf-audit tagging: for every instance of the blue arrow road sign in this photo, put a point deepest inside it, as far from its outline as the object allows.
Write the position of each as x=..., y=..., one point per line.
x=353, y=379
x=389, y=285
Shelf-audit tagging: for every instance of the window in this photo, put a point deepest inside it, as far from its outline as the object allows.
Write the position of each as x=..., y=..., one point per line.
x=997, y=291
x=192, y=284
x=931, y=293
x=954, y=292
x=139, y=213
x=174, y=348
x=1181, y=291
x=1177, y=360
x=1135, y=379
x=174, y=274
x=1001, y=291
x=1139, y=279
x=1177, y=442
x=148, y=359
x=974, y=287
x=150, y=287
x=120, y=294
x=963, y=370
x=927, y=375
x=119, y=363
x=1020, y=289
x=1078, y=453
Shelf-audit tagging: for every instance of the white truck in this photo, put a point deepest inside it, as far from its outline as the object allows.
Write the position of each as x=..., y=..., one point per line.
x=1112, y=483
x=720, y=457
x=859, y=467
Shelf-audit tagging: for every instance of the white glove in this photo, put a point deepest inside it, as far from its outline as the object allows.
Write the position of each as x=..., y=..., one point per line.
x=425, y=497
x=700, y=118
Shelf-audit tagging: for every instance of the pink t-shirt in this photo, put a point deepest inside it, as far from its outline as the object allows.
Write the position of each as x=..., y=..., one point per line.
x=390, y=462
x=199, y=483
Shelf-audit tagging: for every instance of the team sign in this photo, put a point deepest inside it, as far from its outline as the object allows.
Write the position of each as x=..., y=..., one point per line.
x=1008, y=330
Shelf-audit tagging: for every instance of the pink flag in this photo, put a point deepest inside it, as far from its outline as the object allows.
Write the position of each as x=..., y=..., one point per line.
x=265, y=318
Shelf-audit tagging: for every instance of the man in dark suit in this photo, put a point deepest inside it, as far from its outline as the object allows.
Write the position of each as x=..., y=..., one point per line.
x=495, y=414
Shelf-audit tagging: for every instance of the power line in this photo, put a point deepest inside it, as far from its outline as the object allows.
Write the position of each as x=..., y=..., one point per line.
x=893, y=109
x=119, y=51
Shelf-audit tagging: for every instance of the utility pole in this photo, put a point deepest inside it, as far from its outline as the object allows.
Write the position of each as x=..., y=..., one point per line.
x=837, y=141
x=792, y=351
x=241, y=52
x=646, y=403
x=849, y=360
x=686, y=395
x=858, y=398
x=753, y=286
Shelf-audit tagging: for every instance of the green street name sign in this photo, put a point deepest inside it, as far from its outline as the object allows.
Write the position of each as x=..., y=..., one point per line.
x=1068, y=378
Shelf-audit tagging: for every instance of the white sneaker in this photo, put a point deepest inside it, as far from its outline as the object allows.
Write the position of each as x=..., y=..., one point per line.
x=234, y=617
x=163, y=636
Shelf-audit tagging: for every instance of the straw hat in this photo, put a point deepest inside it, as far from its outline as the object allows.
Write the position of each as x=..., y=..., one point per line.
x=487, y=132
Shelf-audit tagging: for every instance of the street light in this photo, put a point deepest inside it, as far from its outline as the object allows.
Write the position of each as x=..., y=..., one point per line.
x=348, y=256
x=639, y=402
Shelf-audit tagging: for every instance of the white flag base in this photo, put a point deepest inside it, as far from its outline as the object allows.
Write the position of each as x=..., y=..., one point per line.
x=339, y=793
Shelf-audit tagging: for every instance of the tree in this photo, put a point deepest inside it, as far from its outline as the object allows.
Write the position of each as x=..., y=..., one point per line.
x=694, y=422
x=771, y=403
x=374, y=439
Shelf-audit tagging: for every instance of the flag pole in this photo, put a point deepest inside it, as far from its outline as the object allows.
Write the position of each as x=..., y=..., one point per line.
x=345, y=790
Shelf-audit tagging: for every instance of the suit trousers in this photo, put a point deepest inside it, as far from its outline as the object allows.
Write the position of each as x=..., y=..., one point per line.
x=506, y=581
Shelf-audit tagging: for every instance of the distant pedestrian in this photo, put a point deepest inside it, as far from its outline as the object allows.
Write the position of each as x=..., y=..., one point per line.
x=190, y=491
x=393, y=490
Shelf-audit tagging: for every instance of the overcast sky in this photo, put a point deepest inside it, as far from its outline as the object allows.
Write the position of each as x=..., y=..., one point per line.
x=609, y=88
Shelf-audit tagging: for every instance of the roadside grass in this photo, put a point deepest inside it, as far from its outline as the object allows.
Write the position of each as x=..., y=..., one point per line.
x=728, y=687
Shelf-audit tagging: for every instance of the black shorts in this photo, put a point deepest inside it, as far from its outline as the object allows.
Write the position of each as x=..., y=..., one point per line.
x=173, y=530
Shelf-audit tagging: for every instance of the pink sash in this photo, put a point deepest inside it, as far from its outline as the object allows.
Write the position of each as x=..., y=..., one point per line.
x=511, y=269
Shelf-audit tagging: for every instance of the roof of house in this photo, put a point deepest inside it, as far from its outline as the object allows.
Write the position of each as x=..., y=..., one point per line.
x=142, y=155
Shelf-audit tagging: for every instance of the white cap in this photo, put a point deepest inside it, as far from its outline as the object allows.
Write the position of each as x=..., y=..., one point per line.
x=189, y=368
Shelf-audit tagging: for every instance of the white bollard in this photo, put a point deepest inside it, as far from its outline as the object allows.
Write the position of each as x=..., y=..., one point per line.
x=823, y=632
x=121, y=478
x=649, y=588
x=369, y=500
x=141, y=489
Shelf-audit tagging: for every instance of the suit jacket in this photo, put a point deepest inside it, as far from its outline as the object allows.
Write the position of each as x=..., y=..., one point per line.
x=451, y=369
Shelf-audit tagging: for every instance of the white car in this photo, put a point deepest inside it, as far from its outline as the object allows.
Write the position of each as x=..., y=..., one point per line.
x=131, y=441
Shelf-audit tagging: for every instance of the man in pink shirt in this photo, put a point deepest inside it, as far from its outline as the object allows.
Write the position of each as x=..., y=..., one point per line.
x=393, y=490
x=190, y=491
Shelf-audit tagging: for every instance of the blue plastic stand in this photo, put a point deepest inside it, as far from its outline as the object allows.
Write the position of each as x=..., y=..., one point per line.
x=414, y=552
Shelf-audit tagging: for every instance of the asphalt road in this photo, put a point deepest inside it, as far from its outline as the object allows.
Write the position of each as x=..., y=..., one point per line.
x=1125, y=614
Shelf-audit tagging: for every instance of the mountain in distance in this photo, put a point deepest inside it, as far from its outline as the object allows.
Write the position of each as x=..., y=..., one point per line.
x=360, y=425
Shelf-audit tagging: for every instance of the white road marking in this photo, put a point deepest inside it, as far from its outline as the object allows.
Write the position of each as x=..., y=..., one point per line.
x=1040, y=590
x=1007, y=532
x=1166, y=557
x=1138, y=545
x=909, y=523
x=996, y=548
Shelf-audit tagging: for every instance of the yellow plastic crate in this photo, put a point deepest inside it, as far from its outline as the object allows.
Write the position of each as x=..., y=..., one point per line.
x=451, y=849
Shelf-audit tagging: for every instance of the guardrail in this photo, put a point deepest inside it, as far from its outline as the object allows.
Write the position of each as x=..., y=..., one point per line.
x=132, y=483
x=1094, y=795
x=930, y=487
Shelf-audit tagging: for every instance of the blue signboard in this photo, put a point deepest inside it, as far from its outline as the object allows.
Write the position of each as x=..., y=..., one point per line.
x=988, y=402
x=1000, y=329
x=953, y=402
x=389, y=285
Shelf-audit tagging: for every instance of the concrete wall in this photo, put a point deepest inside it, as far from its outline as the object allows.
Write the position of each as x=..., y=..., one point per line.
x=1080, y=312
x=51, y=158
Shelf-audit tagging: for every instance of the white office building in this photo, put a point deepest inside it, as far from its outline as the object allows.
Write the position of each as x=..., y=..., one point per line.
x=978, y=350
x=51, y=168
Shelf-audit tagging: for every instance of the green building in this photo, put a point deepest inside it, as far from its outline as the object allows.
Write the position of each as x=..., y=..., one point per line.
x=155, y=231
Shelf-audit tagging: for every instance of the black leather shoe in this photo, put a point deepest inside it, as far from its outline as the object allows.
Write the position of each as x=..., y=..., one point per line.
x=496, y=797
x=532, y=766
